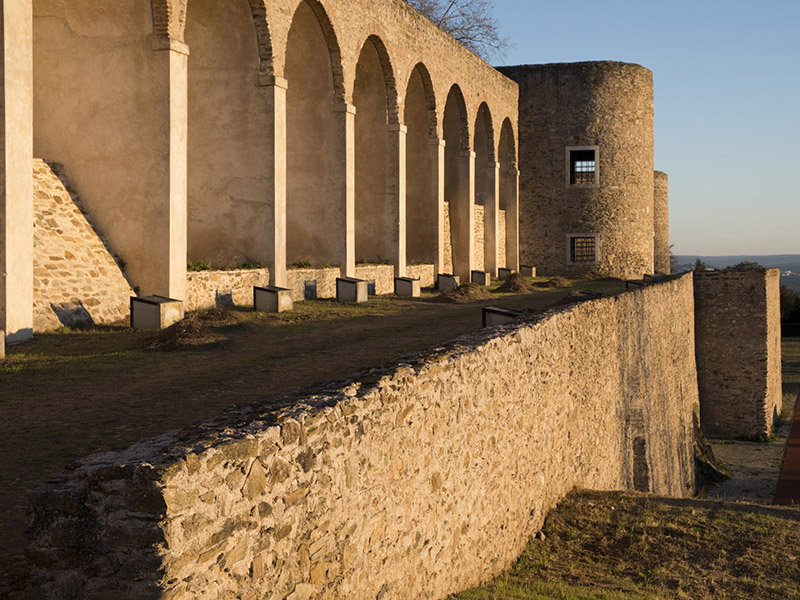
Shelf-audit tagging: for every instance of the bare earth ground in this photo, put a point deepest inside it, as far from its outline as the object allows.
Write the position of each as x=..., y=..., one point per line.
x=66, y=395
x=754, y=466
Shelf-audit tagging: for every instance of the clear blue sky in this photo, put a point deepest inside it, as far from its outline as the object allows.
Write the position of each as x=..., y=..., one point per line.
x=727, y=104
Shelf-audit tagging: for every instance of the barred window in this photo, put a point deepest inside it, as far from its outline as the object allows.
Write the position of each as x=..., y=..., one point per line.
x=582, y=249
x=582, y=167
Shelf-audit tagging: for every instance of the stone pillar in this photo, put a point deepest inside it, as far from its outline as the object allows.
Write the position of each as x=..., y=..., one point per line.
x=439, y=185
x=274, y=92
x=491, y=208
x=166, y=275
x=16, y=172
x=511, y=180
x=462, y=218
x=396, y=188
x=346, y=257
x=661, y=252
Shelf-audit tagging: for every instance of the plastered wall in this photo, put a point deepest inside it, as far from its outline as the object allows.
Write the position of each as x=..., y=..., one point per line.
x=738, y=351
x=426, y=479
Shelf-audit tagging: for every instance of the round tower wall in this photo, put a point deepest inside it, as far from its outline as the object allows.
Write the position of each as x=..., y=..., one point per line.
x=661, y=224
x=567, y=110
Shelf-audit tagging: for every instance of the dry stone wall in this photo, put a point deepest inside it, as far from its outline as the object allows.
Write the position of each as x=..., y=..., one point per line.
x=738, y=351
x=424, y=272
x=76, y=279
x=424, y=478
x=207, y=289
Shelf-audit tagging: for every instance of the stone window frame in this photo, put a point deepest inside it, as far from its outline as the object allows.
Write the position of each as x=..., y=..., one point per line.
x=572, y=236
x=568, y=174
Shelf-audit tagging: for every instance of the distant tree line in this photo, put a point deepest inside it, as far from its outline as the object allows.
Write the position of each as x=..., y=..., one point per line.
x=790, y=312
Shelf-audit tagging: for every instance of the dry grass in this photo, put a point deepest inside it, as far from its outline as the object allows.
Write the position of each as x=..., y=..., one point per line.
x=630, y=546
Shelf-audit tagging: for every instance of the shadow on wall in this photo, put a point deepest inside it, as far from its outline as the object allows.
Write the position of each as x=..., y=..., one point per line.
x=72, y=314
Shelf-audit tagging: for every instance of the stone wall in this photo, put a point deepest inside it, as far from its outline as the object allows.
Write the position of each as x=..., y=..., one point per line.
x=207, y=289
x=738, y=351
x=76, y=279
x=425, y=273
x=382, y=275
x=661, y=249
x=604, y=105
x=424, y=479
x=323, y=279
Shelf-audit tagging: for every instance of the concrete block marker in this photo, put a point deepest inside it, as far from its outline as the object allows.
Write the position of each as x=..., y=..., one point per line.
x=481, y=277
x=527, y=270
x=492, y=316
x=272, y=299
x=446, y=282
x=407, y=286
x=155, y=312
x=503, y=273
x=350, y=289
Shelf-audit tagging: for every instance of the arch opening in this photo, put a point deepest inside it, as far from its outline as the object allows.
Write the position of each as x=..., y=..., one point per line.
x=376, y=213
x=316, y=217
x=508, y=216
x=458, y=185
x=485, y=198
x=229, y=146
x=422, y=158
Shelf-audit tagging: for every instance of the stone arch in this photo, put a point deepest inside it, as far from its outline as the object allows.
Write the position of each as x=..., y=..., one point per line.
x=263, y=35
x=169, y=21
x=486, y=216
x=337, y=69
x=375, y=213
x=316, y=141
x=422, y=163
x=507, y=149
x=392, y=108
x=422, y=72
x=508, y=251
x=227, y=150
x=458, y=184
x=169, y=18
x=455, y=98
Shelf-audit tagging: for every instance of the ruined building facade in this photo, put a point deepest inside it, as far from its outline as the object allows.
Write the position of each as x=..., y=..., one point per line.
x=296, y=136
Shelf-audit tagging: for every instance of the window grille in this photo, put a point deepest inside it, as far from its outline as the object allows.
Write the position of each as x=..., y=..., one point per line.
x=582, y=249
x=583, y=167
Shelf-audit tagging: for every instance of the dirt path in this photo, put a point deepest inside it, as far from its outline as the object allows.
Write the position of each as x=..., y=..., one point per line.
x=755, y=467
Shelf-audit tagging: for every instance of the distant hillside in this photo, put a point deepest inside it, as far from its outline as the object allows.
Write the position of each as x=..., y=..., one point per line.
x=789, y=264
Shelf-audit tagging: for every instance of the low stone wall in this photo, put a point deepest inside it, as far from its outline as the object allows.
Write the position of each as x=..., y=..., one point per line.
x=426, y=479
x=323, y=279
x=738, y=351
x=382, y=275
x=76, y=279
x=207, y=289
x=425, y=273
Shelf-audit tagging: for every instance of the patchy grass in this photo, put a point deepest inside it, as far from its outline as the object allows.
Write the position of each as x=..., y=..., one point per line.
x=626, y=545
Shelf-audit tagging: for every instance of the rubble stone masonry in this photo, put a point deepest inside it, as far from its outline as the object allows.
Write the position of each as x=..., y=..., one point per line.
x=424, y=479
x=738, y=351
x=77, y=280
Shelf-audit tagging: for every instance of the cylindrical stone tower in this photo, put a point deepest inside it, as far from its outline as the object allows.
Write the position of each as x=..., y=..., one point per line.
x=586, y=162
x=661, y=224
